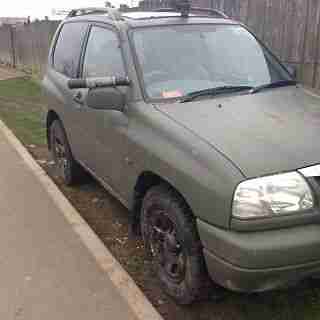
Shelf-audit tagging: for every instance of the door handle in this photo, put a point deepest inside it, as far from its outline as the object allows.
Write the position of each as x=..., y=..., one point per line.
x=78, y=98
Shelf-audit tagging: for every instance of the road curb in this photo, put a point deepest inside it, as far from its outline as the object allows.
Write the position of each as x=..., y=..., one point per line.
x=126, y=286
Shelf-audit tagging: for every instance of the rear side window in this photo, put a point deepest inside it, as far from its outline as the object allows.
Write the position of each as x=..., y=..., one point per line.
x=68, y=49
x=103, y=55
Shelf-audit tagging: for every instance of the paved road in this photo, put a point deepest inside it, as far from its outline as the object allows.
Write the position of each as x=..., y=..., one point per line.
x=45, y=271
x=9, y=73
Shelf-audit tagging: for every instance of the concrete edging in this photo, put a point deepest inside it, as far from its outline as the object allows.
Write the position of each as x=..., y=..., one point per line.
x=126, y=286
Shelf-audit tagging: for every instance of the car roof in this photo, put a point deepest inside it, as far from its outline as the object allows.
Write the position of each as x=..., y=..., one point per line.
x=137, y=15
x=152, y=18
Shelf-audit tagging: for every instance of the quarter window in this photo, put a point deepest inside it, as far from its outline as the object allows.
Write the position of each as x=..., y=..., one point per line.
x=103, y=55
x=68, y=49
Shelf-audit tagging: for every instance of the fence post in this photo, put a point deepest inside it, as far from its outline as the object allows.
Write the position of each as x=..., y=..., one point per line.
x=302, y=66
x=248, y=12
x=13, y=51
x=317, y=56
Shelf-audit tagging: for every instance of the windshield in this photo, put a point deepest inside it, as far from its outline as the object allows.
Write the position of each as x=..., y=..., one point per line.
x=177, y=60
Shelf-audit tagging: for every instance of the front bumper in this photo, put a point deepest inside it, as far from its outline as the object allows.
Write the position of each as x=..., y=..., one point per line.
x=263, y=260
x=256, y=280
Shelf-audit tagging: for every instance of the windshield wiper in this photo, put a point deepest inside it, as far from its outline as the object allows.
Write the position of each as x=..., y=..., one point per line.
x=276, y=84
x=213, y=92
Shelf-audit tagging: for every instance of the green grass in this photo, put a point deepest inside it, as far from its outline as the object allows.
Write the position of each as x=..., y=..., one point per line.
x=22, y=109
x=20, y=88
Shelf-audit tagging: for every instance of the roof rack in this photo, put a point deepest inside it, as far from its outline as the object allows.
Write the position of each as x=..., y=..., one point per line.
x=114, y=14
x=207, y=11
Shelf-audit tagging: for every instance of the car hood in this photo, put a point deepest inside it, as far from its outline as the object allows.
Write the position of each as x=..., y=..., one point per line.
x=264, y=133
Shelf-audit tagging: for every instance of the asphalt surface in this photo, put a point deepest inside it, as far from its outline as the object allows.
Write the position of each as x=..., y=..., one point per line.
x=45, y=270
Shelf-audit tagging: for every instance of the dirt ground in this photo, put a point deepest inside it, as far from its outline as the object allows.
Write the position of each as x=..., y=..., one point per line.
x=9, y=73
x=109, y=219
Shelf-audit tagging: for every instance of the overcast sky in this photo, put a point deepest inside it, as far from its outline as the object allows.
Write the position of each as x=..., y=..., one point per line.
x=42, y=8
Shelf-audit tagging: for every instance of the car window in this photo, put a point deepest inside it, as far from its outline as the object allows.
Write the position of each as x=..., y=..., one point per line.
x=68, y=49
x=103, y=54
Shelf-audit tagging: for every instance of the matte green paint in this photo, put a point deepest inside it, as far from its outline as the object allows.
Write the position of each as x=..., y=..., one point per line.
x=204, y=149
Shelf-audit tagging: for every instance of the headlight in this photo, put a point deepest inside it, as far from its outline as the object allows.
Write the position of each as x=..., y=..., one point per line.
x=270, y=196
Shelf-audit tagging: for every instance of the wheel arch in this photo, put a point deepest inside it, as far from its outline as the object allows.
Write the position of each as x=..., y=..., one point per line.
x=145, y=181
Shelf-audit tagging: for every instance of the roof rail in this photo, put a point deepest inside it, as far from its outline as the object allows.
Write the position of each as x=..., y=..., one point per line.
x=194, y=10
x=114, y=14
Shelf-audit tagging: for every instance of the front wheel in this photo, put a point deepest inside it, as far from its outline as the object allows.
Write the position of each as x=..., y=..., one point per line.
x=171, y=239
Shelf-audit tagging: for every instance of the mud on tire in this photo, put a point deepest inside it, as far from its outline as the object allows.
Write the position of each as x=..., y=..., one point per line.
x=171, y=239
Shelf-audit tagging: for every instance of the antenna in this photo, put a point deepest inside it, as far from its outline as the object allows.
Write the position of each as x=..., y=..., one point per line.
x=196, y=11
x=182, y=6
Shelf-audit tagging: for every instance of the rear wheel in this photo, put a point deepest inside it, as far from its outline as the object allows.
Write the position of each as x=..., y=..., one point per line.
x=171, y=239
x=69, y=170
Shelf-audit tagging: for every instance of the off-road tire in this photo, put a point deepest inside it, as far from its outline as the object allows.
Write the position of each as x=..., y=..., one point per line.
x=195, y=277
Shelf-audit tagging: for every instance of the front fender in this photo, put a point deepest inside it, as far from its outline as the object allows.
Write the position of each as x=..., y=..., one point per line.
x=203, y=176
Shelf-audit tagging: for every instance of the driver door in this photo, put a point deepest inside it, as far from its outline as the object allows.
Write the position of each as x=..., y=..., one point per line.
x=106, y=128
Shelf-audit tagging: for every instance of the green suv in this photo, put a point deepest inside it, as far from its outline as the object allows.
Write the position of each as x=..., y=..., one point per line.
x=199, y=130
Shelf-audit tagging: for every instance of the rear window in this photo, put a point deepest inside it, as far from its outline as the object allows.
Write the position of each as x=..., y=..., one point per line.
x=68, y=49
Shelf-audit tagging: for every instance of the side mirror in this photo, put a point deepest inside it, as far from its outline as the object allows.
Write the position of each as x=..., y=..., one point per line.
x=91, y=83
x=293, y=70
x=106, y=99
x=103, y=92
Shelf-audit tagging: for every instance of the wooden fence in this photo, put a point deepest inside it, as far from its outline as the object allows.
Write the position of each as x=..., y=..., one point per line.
x=27, y=46
x=291, y=28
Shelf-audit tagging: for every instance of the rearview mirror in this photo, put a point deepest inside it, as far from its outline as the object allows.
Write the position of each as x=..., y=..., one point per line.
x=106, y=99
x=293, y=70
